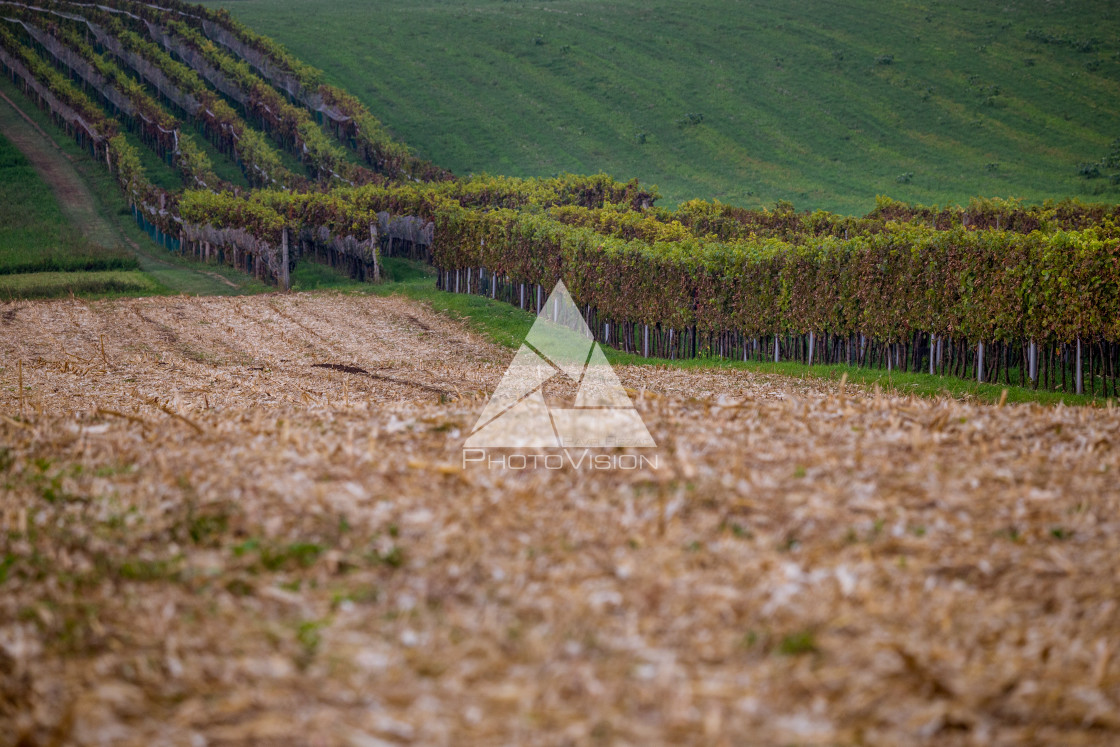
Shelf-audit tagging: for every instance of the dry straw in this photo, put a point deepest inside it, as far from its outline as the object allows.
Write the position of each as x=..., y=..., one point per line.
x=257, y=528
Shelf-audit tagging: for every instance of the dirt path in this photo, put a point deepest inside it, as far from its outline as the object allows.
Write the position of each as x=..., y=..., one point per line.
x=247, y=521
x=78, y=204
x=56, y=169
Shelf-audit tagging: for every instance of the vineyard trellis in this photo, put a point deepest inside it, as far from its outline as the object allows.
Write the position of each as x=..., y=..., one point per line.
x=958, y=302
x=122, y=96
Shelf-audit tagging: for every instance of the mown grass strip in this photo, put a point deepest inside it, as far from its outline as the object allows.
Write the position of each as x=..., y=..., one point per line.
x=62, y=284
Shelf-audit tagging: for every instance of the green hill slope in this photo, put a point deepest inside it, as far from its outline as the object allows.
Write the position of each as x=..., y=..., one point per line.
x=825, y=104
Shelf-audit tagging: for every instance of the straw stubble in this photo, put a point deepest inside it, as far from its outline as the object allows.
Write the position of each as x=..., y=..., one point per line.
x=235, y=533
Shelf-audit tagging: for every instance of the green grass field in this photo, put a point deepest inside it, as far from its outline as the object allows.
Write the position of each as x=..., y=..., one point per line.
x=823, y=104
x=35, y=236
x=87, y=284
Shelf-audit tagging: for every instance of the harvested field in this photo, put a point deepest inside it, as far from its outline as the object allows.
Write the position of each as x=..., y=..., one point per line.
x=247, y=521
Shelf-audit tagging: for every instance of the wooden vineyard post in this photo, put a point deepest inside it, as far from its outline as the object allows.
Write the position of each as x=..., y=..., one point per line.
x=775, y=348
x=811, y=340
x=285, y=276
x=980, y=362
x=1032, y=362
x=1078, y=384
x=375, y=249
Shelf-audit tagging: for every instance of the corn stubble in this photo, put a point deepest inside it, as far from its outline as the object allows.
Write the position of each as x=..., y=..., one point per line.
x=247, y=520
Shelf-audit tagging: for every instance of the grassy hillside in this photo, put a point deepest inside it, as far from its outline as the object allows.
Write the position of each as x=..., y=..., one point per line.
x=35, y=235
x=824, y=104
